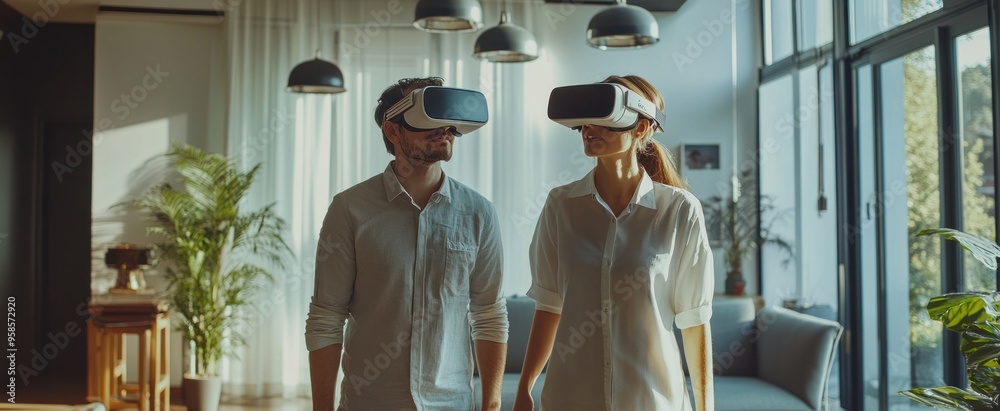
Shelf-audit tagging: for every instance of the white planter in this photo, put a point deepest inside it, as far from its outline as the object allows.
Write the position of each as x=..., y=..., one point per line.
x=202, y=393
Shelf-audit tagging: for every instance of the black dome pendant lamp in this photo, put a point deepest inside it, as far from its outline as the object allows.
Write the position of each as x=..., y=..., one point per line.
x=623, y=26
x=316, y=76
x=506, y=43
x=448, y=16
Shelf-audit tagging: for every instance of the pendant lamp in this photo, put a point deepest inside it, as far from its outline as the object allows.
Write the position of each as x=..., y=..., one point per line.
x=506, y=43
x=316, y=76
x=623, y=26
x=448, y=16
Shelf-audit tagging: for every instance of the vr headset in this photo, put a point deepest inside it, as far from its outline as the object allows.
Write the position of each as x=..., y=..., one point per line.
x=435, y=107
x=611, y=106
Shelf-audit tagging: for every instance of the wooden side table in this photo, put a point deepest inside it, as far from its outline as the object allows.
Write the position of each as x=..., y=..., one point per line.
x=106, y=331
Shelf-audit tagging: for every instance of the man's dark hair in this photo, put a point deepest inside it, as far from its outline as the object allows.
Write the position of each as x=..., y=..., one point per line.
x=392, y=94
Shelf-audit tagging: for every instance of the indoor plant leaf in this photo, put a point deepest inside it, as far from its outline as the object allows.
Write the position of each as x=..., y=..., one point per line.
x=950, y=399
x=983, y=249
x=958, y=310
x=746, y=219
x=981, y=343
x=203, y=230
x=974, y=315
x=984, y=379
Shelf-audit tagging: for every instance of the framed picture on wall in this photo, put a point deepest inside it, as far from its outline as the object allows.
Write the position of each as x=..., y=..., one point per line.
x=699, y=157
x=700, y=166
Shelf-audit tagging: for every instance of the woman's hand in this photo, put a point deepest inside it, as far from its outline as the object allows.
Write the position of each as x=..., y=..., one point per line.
x=698, y=351
x=543, y=334
x=523, y=401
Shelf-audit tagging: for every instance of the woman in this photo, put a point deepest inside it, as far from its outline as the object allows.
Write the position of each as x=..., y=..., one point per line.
x=617, y=259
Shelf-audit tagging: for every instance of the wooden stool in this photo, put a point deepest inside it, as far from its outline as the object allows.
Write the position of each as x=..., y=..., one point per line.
x=106, y=331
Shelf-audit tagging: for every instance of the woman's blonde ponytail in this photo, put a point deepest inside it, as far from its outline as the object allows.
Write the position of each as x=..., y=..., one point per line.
x=654, y=158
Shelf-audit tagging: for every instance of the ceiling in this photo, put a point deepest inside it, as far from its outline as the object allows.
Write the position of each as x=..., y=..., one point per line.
x=85, y=11
x=651, y=5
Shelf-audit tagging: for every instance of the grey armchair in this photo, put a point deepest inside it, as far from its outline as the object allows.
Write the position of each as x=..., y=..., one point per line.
x=772, y=360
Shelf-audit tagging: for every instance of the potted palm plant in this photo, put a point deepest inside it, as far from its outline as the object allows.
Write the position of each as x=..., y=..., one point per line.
x=976, y=316
x=217, y=252
x=741, y=232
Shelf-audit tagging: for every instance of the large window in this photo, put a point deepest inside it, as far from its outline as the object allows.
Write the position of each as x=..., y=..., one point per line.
x=975, y=99
x=872, y=17
x=811, y=27
x=778, y=40
x=911, y=175
x=867, y=235
x=815, y=24
x=798, y=184
x=915, y=141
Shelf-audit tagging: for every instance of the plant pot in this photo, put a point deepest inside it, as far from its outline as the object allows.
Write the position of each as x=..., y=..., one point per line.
x=202, y=393
x=735, y=284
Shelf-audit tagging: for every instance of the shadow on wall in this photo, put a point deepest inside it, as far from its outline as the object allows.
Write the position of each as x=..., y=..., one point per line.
x=135, y=165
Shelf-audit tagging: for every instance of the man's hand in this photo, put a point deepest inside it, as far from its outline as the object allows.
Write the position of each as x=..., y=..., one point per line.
x=324, y=364
x=491, y=357
x=543, y=334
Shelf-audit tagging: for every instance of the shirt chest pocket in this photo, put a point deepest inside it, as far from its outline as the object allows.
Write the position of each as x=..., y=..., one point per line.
x=459, y=260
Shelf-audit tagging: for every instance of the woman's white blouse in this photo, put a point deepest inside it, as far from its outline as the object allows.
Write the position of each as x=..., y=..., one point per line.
x=620, y=285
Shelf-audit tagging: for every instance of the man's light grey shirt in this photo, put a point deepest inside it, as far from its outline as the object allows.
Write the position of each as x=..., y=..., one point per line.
x=409, y=283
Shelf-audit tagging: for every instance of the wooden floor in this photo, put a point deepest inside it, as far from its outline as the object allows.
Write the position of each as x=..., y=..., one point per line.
x=274, y=404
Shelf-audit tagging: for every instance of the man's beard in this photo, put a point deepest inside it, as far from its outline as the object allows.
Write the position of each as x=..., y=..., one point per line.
x=429, y=155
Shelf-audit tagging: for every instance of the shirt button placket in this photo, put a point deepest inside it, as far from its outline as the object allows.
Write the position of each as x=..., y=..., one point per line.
x=416, y=370
x=606, y=302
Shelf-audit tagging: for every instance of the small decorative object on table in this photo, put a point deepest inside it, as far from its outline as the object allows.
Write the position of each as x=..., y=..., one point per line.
x=741, y=230
x=127, y=258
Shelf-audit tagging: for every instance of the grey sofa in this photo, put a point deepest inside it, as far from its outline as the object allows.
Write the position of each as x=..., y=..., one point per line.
x=773, y=360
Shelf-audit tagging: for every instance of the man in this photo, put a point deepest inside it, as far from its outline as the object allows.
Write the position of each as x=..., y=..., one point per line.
x=410, y=259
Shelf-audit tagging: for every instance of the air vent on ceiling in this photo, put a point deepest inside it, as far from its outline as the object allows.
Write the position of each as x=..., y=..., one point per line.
x=651, y=5
x=160, y=11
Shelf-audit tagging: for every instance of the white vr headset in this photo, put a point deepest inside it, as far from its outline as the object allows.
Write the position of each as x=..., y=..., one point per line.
x=434, y=107
x=608, y=105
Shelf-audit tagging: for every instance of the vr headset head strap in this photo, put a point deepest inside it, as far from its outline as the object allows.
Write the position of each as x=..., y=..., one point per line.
x=401, y=106
x=637, y=103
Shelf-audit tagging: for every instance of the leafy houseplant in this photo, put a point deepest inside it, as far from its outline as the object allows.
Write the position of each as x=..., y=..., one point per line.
x=976, y=316
x=741, y=231
x=218, y=251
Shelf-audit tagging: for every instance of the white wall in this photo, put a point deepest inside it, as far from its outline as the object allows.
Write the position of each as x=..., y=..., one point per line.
x=155, y=82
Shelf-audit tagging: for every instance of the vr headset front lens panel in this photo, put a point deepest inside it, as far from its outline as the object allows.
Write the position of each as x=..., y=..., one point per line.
x=611, y=106
x=455, y=104
x=435, y=107
x=582, y=101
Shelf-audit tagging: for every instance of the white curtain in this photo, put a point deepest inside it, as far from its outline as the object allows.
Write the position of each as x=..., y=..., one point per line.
x=314, y=146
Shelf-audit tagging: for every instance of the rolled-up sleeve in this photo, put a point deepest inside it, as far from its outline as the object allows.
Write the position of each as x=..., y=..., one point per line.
x=543, y=259
x=487, y=306
x=694, y=282
x=334, y=283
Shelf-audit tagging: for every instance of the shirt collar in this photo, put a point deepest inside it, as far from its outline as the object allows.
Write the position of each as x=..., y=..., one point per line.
x=643, y=194
x=393, y=188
